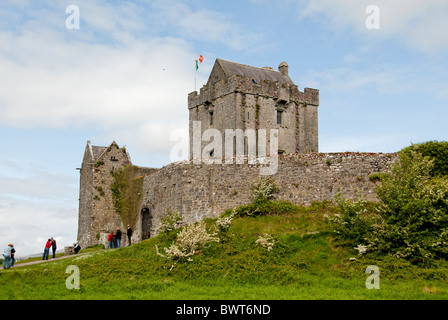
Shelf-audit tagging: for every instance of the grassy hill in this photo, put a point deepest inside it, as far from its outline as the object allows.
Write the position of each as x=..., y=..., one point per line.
x=304, y=263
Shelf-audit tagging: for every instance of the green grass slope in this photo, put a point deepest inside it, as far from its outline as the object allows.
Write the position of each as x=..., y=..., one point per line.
x=303, y=264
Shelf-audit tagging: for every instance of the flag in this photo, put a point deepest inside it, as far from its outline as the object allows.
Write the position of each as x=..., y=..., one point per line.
x=199, y=61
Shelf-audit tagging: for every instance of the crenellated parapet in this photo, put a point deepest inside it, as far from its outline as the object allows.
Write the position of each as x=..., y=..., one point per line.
x=236, y=83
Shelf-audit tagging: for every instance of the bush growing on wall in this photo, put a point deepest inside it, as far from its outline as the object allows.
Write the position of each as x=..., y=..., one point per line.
x=263, y=192
x=267, y=207
x=264, y=189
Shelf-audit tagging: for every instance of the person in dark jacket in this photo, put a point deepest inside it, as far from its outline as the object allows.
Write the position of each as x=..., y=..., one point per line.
x=118, y=237
x=76, y=247
x=53, y=246
x=13, y=251
x=129, y=234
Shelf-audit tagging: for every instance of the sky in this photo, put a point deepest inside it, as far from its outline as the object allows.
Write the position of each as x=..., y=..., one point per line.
x=124, y=72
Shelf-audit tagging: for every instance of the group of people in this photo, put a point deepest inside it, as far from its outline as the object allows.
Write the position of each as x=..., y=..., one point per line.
x=51, y=243
x=8, y=256
x=114, y=240
x=9, y=251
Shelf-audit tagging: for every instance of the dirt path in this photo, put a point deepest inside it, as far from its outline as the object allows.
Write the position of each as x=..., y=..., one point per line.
x=17, y=265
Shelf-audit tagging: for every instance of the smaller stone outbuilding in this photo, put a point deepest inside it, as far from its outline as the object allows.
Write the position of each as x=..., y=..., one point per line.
x=97, y=215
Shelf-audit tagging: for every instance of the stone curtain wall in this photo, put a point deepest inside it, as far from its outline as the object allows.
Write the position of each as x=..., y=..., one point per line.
x=200, y=191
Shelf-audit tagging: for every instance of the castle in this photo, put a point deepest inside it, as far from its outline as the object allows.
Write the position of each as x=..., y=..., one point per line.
x=115, y=193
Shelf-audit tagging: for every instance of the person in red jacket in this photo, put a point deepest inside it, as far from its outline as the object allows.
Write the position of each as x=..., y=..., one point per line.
x=46, y=250
x=110, y=238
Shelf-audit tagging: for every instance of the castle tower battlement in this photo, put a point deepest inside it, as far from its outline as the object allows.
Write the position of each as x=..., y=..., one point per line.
x=243, y=84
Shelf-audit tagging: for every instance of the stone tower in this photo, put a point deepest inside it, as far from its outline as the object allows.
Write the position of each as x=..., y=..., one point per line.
x=238, y=96
x=97, y=217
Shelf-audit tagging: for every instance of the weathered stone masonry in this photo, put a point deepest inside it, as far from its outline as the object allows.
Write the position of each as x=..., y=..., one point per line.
x=199, y=191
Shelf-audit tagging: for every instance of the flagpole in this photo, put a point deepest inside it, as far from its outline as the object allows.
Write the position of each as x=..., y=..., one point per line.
x=195, y=70
x=196, y=67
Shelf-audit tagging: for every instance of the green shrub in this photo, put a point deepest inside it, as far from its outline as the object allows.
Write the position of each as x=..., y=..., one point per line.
x=378, y=176
x=98, y=163
x=101, y=191
x=354, y=222
x=414, y=206
x=436, y=150
x=411, y=219
x=266, y=207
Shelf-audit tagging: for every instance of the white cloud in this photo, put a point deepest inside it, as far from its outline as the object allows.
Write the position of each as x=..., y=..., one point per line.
x=93, y=84
x=362, y=143
x=421, y=25
x=40, y=186
x=42, y=205
x=382, y=78
x=205, y=25
x=28, y=225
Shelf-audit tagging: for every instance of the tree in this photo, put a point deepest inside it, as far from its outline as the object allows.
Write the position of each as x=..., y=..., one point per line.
x=414, y=206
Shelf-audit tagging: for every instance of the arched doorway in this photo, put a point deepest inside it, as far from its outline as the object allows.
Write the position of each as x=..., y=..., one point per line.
x=146, y=223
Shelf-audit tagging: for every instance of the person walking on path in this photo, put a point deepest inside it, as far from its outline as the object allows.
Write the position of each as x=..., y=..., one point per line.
x=46, y=250
x=11, y=264
x=53, y=247
x=110, y=238
x=6, y=256
x=118, y=236
x=129, y=234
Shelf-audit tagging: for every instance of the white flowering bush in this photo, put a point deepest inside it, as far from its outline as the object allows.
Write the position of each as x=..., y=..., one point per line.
x=264, y=189
x=223, y=223
x=266, y=241
x=188, y=241
x=361, y=249
x=195, y=236
x=174, y=252
x=170, y=222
